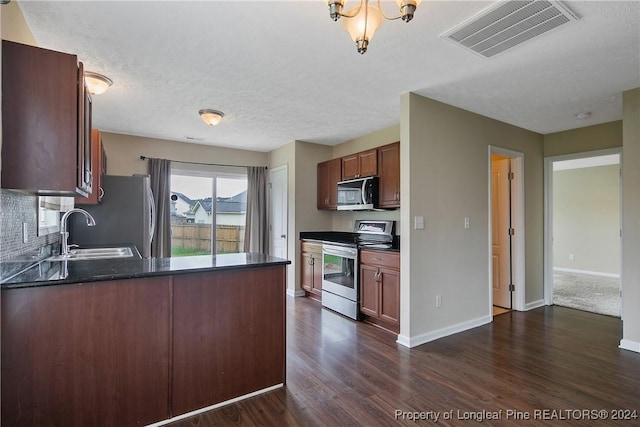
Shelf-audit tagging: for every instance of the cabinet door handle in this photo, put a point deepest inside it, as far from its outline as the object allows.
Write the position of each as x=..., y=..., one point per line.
x=310, y=261
x=378, y=276
x=375, y=258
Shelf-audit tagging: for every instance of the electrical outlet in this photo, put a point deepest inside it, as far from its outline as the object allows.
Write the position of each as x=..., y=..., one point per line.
x=438, y=301
x=572, y=257
x=418, y=222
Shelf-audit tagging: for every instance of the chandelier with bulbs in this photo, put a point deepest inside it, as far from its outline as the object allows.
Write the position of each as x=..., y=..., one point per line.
x=362, y=21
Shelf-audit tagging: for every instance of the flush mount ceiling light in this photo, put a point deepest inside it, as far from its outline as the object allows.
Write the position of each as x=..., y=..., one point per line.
x=583, y=115
x=96, y=83
x=211, y=117
x=362, y=21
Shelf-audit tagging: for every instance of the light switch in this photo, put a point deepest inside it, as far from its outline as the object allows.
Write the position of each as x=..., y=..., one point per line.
x=466, y=222
x=418, y=222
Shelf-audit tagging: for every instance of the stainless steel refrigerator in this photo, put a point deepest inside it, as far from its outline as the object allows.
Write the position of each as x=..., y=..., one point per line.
x=124, y=216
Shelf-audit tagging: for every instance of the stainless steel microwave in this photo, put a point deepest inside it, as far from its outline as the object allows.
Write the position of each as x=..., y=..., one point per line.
x=358, y=194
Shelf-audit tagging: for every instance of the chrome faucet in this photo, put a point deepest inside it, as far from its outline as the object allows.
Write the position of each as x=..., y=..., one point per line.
x=64, y=234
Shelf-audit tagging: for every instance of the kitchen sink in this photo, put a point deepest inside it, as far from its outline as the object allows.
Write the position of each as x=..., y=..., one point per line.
x=93, y=253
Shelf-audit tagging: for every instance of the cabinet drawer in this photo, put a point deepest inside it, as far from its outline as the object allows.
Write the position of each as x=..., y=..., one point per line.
x=311, y=247
x=380, y=258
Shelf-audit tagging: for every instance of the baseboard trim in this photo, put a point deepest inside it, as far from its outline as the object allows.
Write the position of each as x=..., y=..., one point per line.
x=591, y=273
x=534, y=304
x=630, y=345
x=217, y=405
x=295, y=293
x=417, y=340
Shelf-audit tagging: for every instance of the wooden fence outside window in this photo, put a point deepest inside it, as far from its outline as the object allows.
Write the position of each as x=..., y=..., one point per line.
x=197, y=238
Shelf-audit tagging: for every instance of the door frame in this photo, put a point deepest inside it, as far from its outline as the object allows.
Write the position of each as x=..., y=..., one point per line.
x=548, y=213
x=517, y=222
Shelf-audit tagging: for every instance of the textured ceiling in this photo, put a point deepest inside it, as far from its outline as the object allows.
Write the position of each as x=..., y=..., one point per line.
x=283, y=71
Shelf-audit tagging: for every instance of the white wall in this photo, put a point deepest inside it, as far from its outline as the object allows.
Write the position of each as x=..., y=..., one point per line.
x=444, y=178
x=202, y=217
x=586, y=219
x=631, y=220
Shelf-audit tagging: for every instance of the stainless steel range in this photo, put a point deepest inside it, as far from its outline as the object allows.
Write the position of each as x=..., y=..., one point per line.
x=340, y=290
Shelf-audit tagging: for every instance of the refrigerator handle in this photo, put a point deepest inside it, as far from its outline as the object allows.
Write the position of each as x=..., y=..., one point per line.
x=152, y=213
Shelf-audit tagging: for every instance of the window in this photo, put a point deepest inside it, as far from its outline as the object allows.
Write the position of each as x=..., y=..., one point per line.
x=208, y=211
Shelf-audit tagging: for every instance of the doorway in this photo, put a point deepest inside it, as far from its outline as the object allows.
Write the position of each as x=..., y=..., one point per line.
x=583, y=249
x=506, y=230
x=278, y=212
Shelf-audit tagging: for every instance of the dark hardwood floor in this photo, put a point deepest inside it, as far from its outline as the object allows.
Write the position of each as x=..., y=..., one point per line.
x=343, y=373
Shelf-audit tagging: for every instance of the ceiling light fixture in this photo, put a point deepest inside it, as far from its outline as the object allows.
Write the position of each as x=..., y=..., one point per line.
x=96, y=83
x=362, y=21
x=583, y=115
x=211, y=117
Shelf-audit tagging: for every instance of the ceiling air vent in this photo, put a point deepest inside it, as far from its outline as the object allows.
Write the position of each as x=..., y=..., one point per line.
x=508, y=24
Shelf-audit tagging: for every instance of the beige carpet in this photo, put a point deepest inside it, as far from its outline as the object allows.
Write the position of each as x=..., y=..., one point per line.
x=588, y=293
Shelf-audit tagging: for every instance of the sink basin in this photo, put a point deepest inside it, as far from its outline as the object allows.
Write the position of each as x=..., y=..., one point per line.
x=94, y=253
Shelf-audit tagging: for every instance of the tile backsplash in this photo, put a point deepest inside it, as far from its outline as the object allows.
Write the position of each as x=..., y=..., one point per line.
x=15, y=209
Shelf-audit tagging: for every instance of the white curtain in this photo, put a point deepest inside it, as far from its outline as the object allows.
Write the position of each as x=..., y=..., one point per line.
x=160, y=171
x=255, y=232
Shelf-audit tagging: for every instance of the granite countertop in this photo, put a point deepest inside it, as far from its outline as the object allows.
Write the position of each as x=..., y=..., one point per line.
x=345, y=238
x=45, y=273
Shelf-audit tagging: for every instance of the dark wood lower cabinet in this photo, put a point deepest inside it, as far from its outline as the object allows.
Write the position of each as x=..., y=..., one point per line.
x=380, y=288
x=134, y=352
x=229, y=335
x=311, y=269
x=92, y=354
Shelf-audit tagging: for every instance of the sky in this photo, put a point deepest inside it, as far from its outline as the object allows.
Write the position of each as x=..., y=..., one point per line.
x=201, y=187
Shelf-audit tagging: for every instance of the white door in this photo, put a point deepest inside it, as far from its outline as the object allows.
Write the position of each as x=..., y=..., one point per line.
x=278, y=212
x=500, y=225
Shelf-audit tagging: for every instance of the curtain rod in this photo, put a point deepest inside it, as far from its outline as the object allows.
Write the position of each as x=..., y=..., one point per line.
x=200, y=163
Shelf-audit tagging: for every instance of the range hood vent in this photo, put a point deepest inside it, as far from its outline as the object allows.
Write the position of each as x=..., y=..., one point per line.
x=508, y=24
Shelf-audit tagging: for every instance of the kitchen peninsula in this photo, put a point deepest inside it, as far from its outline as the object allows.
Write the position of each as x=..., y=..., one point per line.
x=138, y=341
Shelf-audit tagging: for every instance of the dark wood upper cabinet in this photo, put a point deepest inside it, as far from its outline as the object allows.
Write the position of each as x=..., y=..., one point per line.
x=46, y=117
x=98, y=168
x=360, y=165
x=383, y=162
x=389, y=173
x=329, y=173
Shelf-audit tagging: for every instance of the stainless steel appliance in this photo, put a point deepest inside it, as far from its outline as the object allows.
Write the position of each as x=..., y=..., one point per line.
x=340, y=286
x=340, y=279
x=358, y=194
x=125, y=215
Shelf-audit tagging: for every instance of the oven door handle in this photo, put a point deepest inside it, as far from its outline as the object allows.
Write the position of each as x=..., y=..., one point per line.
x=338, y=252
